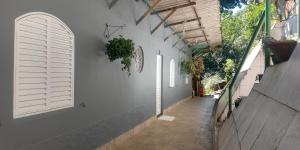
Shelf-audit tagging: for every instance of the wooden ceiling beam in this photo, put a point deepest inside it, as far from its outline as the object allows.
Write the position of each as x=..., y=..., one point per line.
x=181, y=22
x=174, y=7
x=177, y=42
x=193, y=37
x=190, y=30
x=200, y=24
x=148, y=11
x=164, y=20
x=199, y=42
x=177, y=32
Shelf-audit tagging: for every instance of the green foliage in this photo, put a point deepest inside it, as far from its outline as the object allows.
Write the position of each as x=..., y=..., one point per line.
x=210, y=82
x=188, y=67
x=237, y=30
x=120, y=48
x=193, y=67
x=229, y=69
x=230, y=4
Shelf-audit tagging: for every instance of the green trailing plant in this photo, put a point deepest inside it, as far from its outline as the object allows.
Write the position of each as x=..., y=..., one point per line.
x=193, y=67
x=229, y=68
x=121, y=48
x=198, y=62
x=188, y=67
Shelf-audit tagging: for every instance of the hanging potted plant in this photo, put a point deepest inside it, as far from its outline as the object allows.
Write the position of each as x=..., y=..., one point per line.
x=188, y=67
x=120, y=48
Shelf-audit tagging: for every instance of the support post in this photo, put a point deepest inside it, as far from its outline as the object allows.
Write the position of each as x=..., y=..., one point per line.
x=268, y=31
x=165, y=39
x=176, y=42
x=230, y=100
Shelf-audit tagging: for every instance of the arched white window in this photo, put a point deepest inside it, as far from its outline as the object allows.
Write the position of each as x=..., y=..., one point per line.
x=172, y=73
x=186, y=79
x=43, y=65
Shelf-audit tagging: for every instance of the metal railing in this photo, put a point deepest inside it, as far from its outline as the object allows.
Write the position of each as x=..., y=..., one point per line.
x=226, y=96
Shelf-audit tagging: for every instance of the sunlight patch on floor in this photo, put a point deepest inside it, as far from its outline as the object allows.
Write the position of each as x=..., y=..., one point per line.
x=166, y=118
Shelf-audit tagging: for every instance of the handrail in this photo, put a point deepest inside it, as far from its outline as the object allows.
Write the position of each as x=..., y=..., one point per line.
x=218, y=112
x=231, y=83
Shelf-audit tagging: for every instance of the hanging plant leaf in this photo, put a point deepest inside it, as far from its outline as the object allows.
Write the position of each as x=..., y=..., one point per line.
x=121, y=48
x=193, y=67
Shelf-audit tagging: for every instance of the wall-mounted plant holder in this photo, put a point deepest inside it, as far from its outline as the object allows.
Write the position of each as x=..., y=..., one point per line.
x=120, y=48
x=111, y=30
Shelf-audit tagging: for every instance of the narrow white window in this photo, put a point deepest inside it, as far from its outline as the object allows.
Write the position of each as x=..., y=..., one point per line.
x=43, y=65
x=172, y=73
x=158, y=84
x=187, y=79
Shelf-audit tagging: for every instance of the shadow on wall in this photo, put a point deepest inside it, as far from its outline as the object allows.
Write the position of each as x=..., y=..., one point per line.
x=111, y=3
x=101, y=47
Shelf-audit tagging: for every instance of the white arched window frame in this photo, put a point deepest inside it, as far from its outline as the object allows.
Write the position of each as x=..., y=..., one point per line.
x=187, y=79
x=43, y=65
x=172, y=73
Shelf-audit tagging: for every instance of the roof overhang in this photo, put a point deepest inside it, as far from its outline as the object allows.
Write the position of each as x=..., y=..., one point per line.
x=198, y=21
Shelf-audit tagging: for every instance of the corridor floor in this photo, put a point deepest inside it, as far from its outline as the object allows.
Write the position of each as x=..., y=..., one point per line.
x=191, y=130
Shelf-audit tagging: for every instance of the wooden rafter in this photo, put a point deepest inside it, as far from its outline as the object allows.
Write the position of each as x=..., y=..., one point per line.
x=199, y=42
x=148, y=11
x=181, y=22
x=199, y=22
x=193, y=37
x=174, y=7
x=177, y=42
x=190, y=30
x=165, y=39
x=177, y=32
x=164, y=20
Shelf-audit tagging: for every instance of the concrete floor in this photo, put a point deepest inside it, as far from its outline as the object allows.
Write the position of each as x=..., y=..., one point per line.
x=191, y=130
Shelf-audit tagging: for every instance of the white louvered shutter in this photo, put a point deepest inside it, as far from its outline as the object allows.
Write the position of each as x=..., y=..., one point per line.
x=172, y=73
x=44, y=65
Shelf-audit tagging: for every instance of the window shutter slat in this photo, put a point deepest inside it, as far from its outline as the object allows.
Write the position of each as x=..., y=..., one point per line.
x=30, y=81
x=44, y=65
x=60, y=66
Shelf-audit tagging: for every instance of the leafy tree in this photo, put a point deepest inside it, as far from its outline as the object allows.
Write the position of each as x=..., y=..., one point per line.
x=229, y=68
x=210, y=82
x=193, y=67
x=237, y=30
x=231, y=4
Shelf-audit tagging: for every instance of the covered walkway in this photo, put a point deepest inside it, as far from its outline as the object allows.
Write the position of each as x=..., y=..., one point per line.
x=191, y=130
